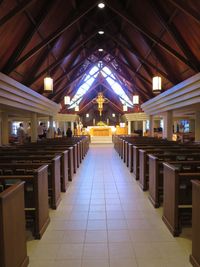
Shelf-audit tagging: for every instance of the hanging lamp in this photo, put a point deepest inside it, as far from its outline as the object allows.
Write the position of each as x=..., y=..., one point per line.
x=48, y=81
x=125, y=108
x=135, y=99
x=67, y=100
x=156, y=84
x=77, y=108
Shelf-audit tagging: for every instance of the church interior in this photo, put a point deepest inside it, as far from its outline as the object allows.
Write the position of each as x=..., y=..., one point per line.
x=99, y=133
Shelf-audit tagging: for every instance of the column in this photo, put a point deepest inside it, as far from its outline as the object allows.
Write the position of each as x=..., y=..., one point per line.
x=72, y=127
x=129, y=127
x=34, y=125
x=143, y=127
x=168, y=125
x=135, y=125
x=197, y=126
x=4, y=128
x=65, y=128
x=51, y=127
x=151, y=125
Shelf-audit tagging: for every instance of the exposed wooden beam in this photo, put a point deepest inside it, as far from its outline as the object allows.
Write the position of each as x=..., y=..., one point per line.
x=171, y=28
x=28, y=36
x=15, y=11
x=151, y=36
x=74, y=19
x=77, y=65
x=156, y=53
x=130, y=82
x=66, y=54
x=186, y=9
x=144, y=61
x=60, y=93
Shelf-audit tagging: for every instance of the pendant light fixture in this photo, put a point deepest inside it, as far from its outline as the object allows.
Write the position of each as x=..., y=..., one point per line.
x=77, y=108
x=135, y=99
x=67, y=100
x=156, y=82
x=125, y=108
x=48, y=81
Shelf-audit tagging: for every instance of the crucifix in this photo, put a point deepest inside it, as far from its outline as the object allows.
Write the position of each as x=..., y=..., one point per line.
x=100, y=100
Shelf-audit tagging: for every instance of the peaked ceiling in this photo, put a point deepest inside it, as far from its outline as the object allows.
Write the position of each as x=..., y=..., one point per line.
x=141, y=38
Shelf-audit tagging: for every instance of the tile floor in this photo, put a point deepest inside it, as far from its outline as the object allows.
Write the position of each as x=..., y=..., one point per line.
x=105, y=220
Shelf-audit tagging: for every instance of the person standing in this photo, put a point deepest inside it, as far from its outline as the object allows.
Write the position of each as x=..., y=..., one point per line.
x=69, y=132
x=40, y=130
x=28, y=132
x=21, y=134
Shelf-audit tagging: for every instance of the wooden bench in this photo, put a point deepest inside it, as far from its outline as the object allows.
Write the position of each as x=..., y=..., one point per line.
x=53, y=172
x=13, y=252
x=195, y=256
x=144, y=159
x=36, y=192
x=156, y=172
x=177, y=202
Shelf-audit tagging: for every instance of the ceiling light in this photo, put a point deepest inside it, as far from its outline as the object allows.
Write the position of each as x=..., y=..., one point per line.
x=48, y=84
x=101, y=5
x=67, y=100
x=101, y=32
x=100, y=49
x=77, y=108
x=125, y=108
x=113, y=115
x=135, y=99
x=156, y=84
x=87, y=115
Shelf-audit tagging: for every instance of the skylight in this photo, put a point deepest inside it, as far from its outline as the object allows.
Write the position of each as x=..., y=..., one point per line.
x=88, y=80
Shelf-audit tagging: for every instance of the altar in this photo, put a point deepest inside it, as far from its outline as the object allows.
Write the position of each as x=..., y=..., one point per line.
x=100, y=131
x=101, y=134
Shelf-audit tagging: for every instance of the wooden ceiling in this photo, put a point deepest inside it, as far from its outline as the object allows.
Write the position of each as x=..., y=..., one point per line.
x=141, y=38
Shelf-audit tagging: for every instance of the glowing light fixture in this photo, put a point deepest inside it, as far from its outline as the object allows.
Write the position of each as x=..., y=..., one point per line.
x=100, y=49
x=101, y=5
x=48, y=81
x=67, y=100
x=77, y=108
x=157, y=84
x=135, y=99
x=101, y=32
x=113, y=115
x=48, y=84
x=87, y=115
x=125, y=108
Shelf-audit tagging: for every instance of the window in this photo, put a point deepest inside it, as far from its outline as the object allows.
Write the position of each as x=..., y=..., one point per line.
x=15, y=126
x=88, y=80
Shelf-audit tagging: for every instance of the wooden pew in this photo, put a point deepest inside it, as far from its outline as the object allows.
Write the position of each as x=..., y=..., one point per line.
x=36, y=192
x=195, y=256
x=177, y=203
x=13, y=252
x=156, y=172
x=144, y=159
x=53, y=172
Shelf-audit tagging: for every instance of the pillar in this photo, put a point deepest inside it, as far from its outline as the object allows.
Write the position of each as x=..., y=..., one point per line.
x=65, y=128
x=151, y=125
x=135, y=125
x=143, y=127
x=129, y=127
x=34, y=125
x=4, y=128
x=197, y=126
x=72, y=127
x=51, y=127
x=168, y=125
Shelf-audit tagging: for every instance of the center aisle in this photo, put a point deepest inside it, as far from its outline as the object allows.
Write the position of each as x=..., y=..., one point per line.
x=105, y=220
